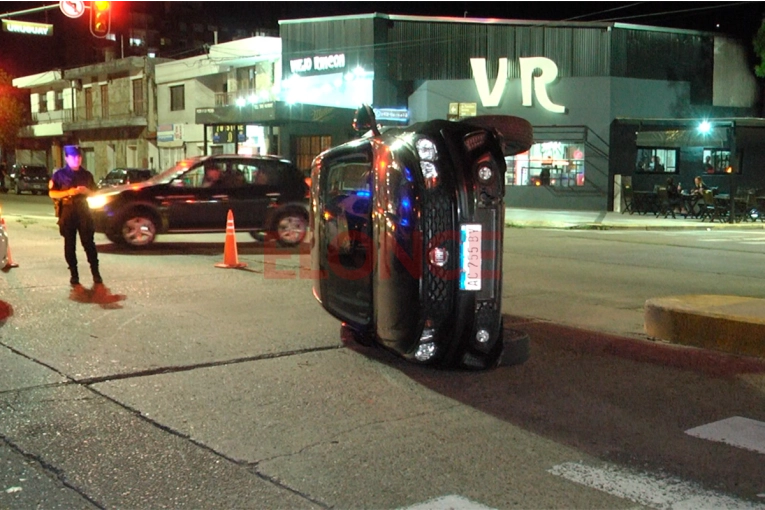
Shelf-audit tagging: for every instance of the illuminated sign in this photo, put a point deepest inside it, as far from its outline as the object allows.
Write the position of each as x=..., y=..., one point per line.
x=24, y=27
x=317, y=63
x=491, y=98
x=392, y=114
x=226, y=134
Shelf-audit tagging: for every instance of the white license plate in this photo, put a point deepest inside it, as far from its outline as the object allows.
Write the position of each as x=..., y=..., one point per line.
x=470, y=257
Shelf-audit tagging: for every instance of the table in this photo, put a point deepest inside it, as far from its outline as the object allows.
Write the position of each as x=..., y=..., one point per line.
x=692, y=203
x=645, y=202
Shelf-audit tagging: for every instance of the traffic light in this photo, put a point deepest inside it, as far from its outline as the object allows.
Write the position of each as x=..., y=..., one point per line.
x=100, y=18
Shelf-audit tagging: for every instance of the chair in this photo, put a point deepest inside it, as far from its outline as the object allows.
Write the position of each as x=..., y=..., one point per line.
x=711, y=208
x=629, y=199
x=663, y=204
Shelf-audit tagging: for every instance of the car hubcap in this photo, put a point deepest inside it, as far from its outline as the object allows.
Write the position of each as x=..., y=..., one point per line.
x=138, y=231
x=292, y=229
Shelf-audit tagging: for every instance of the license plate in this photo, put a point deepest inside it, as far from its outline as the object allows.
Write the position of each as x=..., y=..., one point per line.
x=470, y=257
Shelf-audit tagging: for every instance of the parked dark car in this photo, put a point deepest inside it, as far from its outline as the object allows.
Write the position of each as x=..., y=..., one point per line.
x=120, y=176
x=266, y=195
x=408, y=229
x=31, y=178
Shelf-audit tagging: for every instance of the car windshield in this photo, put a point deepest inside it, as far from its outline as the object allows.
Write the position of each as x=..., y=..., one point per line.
x=35, y=171
x=173, y=172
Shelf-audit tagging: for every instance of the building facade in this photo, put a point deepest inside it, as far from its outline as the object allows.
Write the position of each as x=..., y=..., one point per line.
x=588, y=89
x=109, y=109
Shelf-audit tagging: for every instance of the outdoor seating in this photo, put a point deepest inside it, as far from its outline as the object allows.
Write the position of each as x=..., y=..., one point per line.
x=629, y=200
x=711, y=208
x=663, y=204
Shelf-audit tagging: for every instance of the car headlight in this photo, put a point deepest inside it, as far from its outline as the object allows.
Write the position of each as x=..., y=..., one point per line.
x=98, y=201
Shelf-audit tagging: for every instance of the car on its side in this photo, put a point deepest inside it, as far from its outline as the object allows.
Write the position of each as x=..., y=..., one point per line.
x=266, y=194
x=120, y=176
x=31, y=178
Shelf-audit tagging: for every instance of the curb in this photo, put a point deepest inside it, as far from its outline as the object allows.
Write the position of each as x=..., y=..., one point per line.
x=730, y=324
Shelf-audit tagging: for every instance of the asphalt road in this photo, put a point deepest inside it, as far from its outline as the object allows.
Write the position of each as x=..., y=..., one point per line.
x=190, y=386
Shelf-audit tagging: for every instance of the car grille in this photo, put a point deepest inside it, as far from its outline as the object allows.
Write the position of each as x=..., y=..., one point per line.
x=439, y=283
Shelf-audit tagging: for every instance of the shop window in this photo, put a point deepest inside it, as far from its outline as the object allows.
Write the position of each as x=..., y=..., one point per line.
x=652, y=160
x=716, y=161
x=308, y=147
x=177, y=98
x=558, y=164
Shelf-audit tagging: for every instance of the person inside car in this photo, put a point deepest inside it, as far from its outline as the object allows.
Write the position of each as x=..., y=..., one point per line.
x=212, y=177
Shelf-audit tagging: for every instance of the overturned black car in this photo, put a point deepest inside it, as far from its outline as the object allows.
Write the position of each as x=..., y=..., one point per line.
x=408, y=230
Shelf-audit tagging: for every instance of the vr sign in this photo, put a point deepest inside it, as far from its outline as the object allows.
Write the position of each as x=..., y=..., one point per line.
x=491, y=97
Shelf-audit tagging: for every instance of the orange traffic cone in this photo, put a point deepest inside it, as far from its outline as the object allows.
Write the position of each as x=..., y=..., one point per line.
x=10, y=263
x=230, y=255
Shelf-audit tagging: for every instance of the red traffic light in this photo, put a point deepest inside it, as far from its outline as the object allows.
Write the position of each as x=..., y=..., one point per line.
x=100, y=18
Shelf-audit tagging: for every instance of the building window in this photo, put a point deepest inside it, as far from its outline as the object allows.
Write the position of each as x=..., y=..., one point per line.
x=559, y=164
x=177, y=98
x=43, y=106
x=308, y=147
x=716, y=161
x=139, y=107
x=104, y=101
x=652, y=160
x=59, y=100
x=245, y=79
x=88, y=103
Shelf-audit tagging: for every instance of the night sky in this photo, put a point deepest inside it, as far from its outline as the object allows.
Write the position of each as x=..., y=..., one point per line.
x=21, y=55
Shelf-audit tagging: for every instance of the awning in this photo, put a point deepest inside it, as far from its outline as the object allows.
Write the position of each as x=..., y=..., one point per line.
x=276, y=113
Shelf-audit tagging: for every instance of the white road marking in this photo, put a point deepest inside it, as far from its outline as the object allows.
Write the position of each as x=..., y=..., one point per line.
x=737, y=431
x=448, y=503
x=662, y=493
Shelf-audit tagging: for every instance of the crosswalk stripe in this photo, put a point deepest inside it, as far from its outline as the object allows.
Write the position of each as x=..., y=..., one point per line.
x=448, y=503
x=649, y=490
x=736, y=431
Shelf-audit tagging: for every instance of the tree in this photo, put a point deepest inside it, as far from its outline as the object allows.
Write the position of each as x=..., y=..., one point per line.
x=12, y=114
x=759, y=50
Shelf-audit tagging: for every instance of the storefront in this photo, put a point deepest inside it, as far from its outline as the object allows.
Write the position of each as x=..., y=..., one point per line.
x=574, y=82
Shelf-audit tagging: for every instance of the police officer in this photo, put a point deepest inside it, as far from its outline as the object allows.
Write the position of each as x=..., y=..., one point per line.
x=70, y=186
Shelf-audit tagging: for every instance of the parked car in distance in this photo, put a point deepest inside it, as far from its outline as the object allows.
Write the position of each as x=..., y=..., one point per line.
x=265, y=194
x=31, y=178
x=120, y=176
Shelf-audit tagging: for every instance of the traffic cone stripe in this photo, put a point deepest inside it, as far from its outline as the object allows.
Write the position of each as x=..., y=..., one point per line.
x=10, y=263
x=230, y=255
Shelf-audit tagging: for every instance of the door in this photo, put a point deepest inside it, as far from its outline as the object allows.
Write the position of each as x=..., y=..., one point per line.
x=194, y=203
x=345, y=236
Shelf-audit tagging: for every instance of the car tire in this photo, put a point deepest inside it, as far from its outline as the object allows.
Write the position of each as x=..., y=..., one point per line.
x=290, y=227
x=517, y=133
x=137, y=228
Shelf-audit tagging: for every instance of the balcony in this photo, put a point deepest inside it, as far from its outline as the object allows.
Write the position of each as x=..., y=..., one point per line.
x=242, y=97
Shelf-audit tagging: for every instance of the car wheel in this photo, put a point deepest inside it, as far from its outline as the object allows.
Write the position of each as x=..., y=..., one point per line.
x=290, y=227
x=138, y=229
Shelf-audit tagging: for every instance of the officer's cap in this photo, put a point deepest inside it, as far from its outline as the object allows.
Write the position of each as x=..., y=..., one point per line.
x=72, y=150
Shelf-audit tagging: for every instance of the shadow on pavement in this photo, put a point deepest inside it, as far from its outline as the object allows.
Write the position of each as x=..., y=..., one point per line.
x=6, y=310
x=99, y=295
x=625, y=401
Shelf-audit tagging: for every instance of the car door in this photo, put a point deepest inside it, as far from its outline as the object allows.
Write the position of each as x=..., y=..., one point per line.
x=192, y=205
x=252, y=184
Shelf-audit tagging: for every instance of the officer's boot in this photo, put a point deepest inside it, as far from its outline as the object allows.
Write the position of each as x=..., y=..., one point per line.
x=96, y=275
x=75, y=276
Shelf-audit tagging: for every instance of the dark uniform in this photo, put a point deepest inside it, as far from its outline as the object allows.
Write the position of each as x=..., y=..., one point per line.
x=74, y=216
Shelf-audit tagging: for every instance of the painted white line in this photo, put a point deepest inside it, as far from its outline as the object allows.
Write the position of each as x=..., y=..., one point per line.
x=663, y=493
x=737, y=431
x=448, y=503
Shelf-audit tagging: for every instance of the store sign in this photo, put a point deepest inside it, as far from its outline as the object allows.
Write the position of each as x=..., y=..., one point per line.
x=490, y=98
x=25, y=27
x=228, y=134
x=317, y=63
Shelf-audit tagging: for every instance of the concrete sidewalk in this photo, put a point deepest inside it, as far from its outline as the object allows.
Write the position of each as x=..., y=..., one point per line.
x=545, y=218
x=730, y=324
